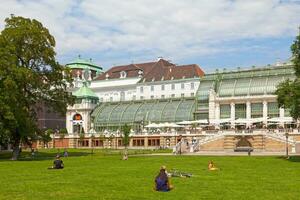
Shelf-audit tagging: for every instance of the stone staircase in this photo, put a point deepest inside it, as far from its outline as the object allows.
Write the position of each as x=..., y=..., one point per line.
x=227, y=142
x=207, y=139
x=280, y=138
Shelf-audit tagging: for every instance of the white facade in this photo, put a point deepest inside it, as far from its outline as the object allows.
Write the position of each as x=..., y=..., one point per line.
x=215, y=102
x=128, y=89
x=167, y=89
x=84, y=109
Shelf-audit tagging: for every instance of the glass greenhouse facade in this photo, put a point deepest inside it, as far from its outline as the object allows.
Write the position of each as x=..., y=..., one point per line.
x=138, y=113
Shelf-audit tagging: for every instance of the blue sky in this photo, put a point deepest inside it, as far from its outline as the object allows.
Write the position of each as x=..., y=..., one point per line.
x=210, y=33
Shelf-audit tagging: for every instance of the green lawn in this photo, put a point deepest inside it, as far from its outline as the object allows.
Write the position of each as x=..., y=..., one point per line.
x=104, y=176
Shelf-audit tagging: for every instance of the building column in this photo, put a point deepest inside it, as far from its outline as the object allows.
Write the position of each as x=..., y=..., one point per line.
x=211, y=105
x=248, y=112
x=146, y=142
x=217, y=111
x=281, y=115
x=90, y=142
x=130, y=142
x=265, y=111
x=281, y=112
x=69, y=122
x=232, y=113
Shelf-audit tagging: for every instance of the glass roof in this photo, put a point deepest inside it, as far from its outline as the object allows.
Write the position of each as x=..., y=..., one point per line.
x=119, y=113
x=257, y=81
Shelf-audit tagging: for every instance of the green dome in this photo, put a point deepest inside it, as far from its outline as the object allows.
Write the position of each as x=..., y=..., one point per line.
x=80, y=63
x=85, y=92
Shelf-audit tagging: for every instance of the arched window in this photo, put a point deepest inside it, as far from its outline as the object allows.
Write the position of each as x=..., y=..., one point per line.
x=122, y=96
x=77, y=117
x=122, y=74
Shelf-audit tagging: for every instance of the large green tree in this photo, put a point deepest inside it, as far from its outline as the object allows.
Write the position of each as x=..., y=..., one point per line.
x=29, y=75
x=289, y=91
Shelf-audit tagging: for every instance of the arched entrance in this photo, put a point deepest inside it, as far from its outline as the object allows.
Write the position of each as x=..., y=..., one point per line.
x=77, y=124
x=243, y=144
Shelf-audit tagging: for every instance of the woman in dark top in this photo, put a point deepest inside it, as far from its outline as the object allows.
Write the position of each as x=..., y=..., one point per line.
x=162, y=181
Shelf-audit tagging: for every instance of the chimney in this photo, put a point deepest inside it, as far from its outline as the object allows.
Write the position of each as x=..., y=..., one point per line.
x=159, y=58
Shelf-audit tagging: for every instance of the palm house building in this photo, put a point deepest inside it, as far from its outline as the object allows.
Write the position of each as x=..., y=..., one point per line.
x=180, y=107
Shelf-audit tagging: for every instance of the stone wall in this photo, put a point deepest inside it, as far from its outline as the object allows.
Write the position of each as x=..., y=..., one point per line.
x=217, y=145
x=272, y=145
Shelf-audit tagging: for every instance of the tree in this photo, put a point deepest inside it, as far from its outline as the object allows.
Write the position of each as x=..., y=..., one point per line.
x=62, y=133
x=29, y=74
x=45, y=136
x=126, y=139
x=288, y=92
x=81, y=139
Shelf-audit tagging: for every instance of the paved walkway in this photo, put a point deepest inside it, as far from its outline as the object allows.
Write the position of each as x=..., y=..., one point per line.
x=221, y=153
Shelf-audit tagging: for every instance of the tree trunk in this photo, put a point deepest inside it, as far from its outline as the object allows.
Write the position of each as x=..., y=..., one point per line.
x=16, y=146
x=125, y=156
x=16, y=152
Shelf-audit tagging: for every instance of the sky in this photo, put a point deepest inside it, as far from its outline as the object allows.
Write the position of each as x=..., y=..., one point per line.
x=211, y=33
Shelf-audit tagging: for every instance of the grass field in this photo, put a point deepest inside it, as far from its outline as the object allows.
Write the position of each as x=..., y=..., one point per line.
x=104, y=176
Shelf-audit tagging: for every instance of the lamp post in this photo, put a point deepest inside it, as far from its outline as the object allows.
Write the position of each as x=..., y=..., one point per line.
x=286, y=145
x=92, y=141
x=180, y=143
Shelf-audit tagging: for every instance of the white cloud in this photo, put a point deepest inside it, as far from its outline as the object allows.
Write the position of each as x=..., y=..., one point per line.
x=171, y=28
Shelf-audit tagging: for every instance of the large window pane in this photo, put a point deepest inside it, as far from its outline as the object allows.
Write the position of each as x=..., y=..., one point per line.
x=240, y=111
x=273, y=110
x=224, y=111
x=256, y=110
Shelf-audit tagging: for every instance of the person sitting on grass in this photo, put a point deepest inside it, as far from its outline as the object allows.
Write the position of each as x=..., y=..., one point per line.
x=211, y=166
x=66, y=153
x=162, y=181
x=57, y=163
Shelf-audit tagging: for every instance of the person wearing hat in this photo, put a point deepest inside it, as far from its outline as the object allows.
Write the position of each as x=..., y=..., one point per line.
x=57, y=163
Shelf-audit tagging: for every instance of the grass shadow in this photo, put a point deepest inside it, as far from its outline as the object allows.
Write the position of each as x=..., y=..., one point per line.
x=290, y=159
x=49, y=154
x=294, y=159
x=39, y=156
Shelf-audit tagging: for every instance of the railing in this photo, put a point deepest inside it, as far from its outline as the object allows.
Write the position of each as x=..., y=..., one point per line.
x=195, y=146
x=280, y=137
x=213, y=132
x=177, y=148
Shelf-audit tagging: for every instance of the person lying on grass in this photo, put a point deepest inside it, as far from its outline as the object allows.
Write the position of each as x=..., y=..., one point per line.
x=181, y=174
x=162, y=182
x=57, y=163
x=211, y=166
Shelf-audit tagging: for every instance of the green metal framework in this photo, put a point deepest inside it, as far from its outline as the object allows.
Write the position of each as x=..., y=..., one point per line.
x=243, y=83
x=256, y=81
x=116, y=114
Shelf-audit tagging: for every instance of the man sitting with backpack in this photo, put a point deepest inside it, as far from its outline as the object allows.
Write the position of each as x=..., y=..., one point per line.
x=57, y=163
